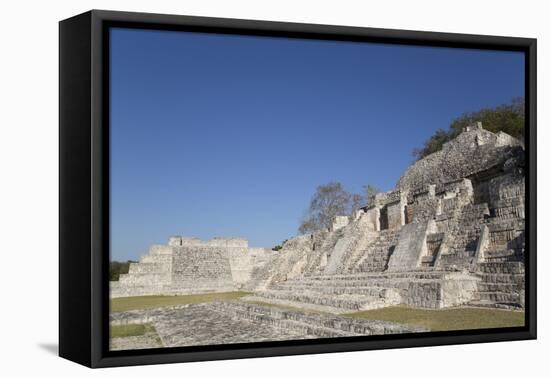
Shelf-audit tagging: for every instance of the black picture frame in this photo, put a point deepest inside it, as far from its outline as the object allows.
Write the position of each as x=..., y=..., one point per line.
x=84, y=187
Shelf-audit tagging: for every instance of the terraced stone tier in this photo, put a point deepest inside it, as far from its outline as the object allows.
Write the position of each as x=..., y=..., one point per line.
x=181, y=288
x=364, y=291
x=313, y=300
x=502, y=285
x=236, y=322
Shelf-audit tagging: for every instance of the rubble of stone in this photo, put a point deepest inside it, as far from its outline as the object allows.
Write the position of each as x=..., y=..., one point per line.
x=234, y=322
x=451, y=233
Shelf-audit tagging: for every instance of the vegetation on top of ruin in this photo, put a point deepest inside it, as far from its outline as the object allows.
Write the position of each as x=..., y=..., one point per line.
x=331, y=200
x=278, y=247
x=116, y=268
x=508, y=118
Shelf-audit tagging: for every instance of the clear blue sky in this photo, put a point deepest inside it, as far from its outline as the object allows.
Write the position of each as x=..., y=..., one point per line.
x=216, y=135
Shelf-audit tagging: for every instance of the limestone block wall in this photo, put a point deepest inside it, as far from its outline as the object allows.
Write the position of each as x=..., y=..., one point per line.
x=422, y=204
x=195, y=265
x=243, y=261
x=396, y=214
x=507, y=196
x=190, y=265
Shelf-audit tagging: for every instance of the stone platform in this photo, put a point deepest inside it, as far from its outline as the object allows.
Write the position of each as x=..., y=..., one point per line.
x=228, y=322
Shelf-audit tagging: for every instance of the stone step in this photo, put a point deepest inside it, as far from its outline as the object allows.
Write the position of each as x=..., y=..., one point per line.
x=428, y=259
x=370, y=268
x=149, y=278
x=333, y=303
x=501, y=287
x=459, y=253
x=330, y=284
x=498, y=296
x=507, y=255
x=336, y=290
x=517, y=279
x=321, y=325
x=512, y=258
x=147, y=267
x=419, y=274
x=378, y=282
x=506, y=268
x=491, y=304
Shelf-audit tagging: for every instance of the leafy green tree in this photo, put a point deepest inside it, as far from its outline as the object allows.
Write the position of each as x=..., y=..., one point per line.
x=278, y=247
x=509, y=118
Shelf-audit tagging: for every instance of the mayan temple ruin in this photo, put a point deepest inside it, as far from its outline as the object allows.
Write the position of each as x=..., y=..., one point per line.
x=451, y=233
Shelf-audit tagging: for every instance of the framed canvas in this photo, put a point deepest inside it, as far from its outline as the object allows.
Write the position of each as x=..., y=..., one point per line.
x=236, y=188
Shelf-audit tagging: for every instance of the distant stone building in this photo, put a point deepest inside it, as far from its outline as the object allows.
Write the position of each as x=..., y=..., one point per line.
x=189, y=266
x=451, y=233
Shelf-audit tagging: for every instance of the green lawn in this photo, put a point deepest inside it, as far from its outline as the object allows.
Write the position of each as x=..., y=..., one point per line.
x=153, y=301
x=128, y=330
x=446, y=319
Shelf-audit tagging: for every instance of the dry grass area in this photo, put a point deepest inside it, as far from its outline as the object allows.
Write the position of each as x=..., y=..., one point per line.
x=128, y=330
x=451, y=319
x=154, y=301
x=134, y=336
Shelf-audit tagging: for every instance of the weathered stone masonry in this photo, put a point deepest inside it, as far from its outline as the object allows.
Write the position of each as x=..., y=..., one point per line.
x=452, y=232
x=189, y=266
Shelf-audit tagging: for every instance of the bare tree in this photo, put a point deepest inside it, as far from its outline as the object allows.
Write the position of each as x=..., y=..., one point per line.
x=357, y=202
x=328, y=201
x=371, y=191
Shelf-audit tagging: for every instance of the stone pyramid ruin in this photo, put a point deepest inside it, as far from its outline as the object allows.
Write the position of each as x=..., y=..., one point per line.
x=451, y=233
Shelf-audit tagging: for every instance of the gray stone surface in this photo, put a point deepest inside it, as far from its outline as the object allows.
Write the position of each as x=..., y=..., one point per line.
x=234, y=322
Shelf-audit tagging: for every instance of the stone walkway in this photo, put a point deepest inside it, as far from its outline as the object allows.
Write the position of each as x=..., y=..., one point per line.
x=237, y=322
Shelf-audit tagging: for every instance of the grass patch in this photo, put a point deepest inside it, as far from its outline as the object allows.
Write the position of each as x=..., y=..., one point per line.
x=154, y=301
x=446, y=319
x=128, y=330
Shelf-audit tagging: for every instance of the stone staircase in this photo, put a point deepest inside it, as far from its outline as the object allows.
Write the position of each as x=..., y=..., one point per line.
x=360, y=291
x=465, y=236
x=351, y=300
x=502, y=285
x=433, y=244
x=311, y=324
x=376, y=257
x=502, y=269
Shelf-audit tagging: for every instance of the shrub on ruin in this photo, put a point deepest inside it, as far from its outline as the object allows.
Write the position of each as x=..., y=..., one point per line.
x=508, y=118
